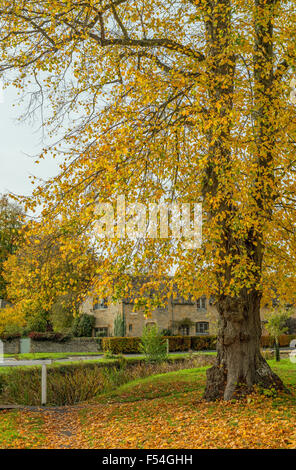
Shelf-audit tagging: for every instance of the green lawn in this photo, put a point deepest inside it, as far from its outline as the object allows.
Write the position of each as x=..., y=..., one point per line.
x=184, y=380
x=31, y=356
x=103, y=360
x=156, y=386
x=19, y=429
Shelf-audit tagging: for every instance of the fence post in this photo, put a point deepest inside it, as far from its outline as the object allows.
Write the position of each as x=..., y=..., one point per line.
x=167, y=345
x=1, y=351
x=43, y=385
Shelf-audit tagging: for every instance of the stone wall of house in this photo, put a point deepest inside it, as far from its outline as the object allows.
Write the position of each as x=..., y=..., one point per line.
x=181, y=311
x=72, y=345
x=136, y=320
x=167, y=318
x=104, y=318
x=164, y=318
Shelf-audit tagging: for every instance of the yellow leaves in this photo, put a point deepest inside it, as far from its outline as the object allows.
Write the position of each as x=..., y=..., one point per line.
x=160, y=127
x=11, y=316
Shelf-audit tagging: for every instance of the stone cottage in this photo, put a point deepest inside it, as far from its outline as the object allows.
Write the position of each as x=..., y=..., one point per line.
x=180, y=316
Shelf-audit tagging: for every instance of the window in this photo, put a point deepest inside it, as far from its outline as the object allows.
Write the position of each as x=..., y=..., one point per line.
x=183, y=301
x=202, y=328
x=130, y=327
x=100, y=304
x=212, y=300
x=184, y=330
x=101, y=331
x=201, y=303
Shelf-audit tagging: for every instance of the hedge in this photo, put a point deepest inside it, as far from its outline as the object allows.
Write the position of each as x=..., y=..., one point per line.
x=284, y=341
x=48, y=336
x=10, y=337
x=127, y=345
x=179, y=343
x=118, y=345
x=199, y=343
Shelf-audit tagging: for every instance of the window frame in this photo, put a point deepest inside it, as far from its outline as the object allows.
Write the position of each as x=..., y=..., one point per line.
x=100, y=304
x=201, y=303
x=205, y=331
x=106, y=328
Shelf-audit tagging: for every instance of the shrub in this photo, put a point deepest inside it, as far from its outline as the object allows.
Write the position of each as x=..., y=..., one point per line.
x=284, y=341
x=119, y=325
x=267, y=341
x=37, y=323
x=12, y=331
x=153, y=344
x=182, y=343
x=166, y=332
x=179, y=343
x=126, y=345
x=199, y=343
x=10, y=336
x=120, y=345
x=68, y=384
x=48, y=336
x=79, y=384
x=83, y=325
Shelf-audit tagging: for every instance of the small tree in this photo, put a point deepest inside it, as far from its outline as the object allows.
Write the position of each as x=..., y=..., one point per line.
x=119, y=325
x=276, y=326
x=83, y=325
x=153, y=344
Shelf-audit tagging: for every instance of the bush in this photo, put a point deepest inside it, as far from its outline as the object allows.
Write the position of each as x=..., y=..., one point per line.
x=119, y=325
x=199, y=343
x=166, y=332
x=83, y=325
x=284, y=341
x=128, y=345
x=153, y=344
x=48, y=336
x=121, y=345
x=179, y=343
x=79, y=384
x=182, y=343
x=10, y=336
x=12, y=331
x=68, y=384
x=37, y=323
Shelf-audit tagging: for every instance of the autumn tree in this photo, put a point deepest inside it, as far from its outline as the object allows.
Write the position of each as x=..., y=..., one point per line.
x=277, y=325
x=171, y=101
x=11, y=218
x=46, y=281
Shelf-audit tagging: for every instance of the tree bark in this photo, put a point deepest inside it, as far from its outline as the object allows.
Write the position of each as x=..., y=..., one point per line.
x=240, y=364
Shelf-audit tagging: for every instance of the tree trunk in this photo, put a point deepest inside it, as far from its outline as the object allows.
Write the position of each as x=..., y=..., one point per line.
x=240, y=364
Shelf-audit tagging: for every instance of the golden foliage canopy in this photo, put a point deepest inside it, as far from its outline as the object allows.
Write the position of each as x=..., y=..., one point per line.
x=155, y=102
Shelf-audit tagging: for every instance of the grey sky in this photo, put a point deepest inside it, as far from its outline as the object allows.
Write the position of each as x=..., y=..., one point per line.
x=18, y=140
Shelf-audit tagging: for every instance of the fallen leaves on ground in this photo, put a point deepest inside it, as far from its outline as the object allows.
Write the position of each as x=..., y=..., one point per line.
x=159, y=415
